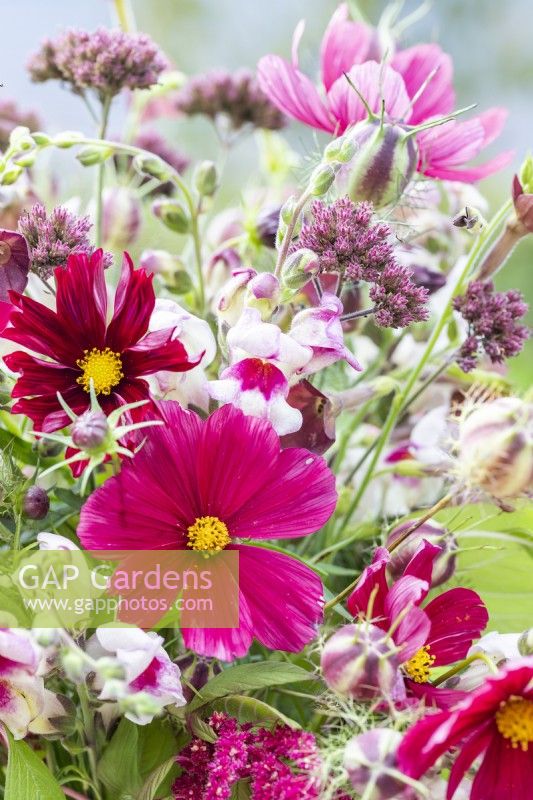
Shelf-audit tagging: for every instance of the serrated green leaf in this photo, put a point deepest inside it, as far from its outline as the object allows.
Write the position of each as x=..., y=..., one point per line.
x=27, y=776
x=247, y=678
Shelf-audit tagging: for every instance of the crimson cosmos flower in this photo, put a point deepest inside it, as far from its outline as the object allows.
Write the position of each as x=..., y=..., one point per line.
x=494, y=722
x=78, y=344
x=438, y=634
x=208, y=485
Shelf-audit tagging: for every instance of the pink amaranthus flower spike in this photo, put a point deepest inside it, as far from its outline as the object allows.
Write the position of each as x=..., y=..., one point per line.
x=494, y=723
x=437, y=634
x=216, y=482
x=415, y=85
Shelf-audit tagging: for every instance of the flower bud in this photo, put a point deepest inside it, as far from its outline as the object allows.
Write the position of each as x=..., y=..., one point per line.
x=89, y=156
x=139, y=705
x=523, y=206
x=110, y=669
x=360, y=661
x=159, y=262
x=322, y=179
x=36, y=503
x=340, y=150
x=444, y=564
x=263, y=293
x=172, y=214
x=495, y=448
x=122, y=217
x=41, y=139
x=10, y=176
x=67, y=139
x=152, y=166
x=369, y=757
x=73, y=665
x=385, y=163
x=525, y=643
x=287, y=210
x=298, y=270
x=90, y=431
x=46, y=448
x=20, y=138
x=471, y=219
x=206, y=178
x=229, y=301
x=267, y=226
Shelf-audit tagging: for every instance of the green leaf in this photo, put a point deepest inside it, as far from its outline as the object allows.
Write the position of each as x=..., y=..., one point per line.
x=250, y=709
x=119, y=766
x=247, y=678
x=155, y=779
x=241, y=791
x=27, y=776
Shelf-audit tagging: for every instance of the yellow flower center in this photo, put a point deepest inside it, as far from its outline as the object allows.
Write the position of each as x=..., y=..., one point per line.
x=419, y=665
x=208, y=534
x=514, y=720
x=103, y=367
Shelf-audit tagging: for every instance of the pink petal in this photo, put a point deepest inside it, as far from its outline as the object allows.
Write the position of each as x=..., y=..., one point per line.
x=374, y=82
x=457, y=617
x=285, y=598
x=421, y=564
x=466, y=756
x=505, y=772
x=415, y=65
x=344, y=44
x=375, y=575
x=435, y=696
x=403, y=599
x=293, y=93
x=296, y=499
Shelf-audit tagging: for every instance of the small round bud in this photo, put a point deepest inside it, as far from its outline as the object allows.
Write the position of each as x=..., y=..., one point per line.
x=140, y=704
x=46, y=448
x=20, y=138
x=121, y=217
x=25, y=160
x=359, y=661
x=172, y=214
x=321, y=179
x=525, y=643
x=73, y=665
x=206, y=178
x=444, y=564
x=287, y=209
x=110, y=669
x=152, y=166
x=263, y=293
x=67, y=139
x=471, y=219
x=90, y=430
x=89, y=156
x=41, y=139
x=298, y=270
x=368, y=757
x=36, y=503
x=495, y=448
x=10, y=176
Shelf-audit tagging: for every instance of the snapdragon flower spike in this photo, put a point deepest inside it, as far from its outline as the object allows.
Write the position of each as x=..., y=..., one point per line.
x=414, y=89
x=494, y=723
x=208, y=485
x=95, y=437
x=80, y=345
x=437, y=634
x=320, y=329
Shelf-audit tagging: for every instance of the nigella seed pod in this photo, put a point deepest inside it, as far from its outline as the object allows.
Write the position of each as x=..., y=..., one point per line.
x=359, y=661
x=90, y=431
x=444, y=564
x=384, y=163
x=369, y=758
x=36, y=503
x=122, y=217
x=495, y=448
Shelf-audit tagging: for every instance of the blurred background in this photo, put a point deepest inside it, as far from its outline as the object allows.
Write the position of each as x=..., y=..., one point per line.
x=490, y=43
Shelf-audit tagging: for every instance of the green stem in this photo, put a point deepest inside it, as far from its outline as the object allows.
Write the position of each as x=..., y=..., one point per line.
x=106, y=107
x=18, y=531
x=397, y=405
x=465, y=663
x=89, y=732
x=287, y=239
x=125, y=16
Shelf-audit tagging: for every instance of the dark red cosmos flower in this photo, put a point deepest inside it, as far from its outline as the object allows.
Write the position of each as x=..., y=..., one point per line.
x=494, y=722
x=438, y=633
x=78, y=344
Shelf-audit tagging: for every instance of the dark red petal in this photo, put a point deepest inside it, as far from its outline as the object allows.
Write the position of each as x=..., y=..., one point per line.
x=36, y=327
x=82, y=299
x=421, y=564
x=434, y=696
x=5, y=313
x=466, y=756
x=38, y=377
x=375, y=575
x=403, y=599
x=134, y=303
x=155, y=352
x=45, y=411
x=457, y=617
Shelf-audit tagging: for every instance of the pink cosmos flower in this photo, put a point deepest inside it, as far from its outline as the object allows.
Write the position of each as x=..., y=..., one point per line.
x=415, y=85
x=227, y=479
x=439, y=633
x=494, y=722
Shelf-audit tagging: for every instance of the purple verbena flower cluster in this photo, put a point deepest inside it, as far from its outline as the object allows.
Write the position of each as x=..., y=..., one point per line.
x=492, y=323
x=236, y=95
x=10, y=117
x=53, y=238
x=349, y=242
x=281, y=764
x=106, y=61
